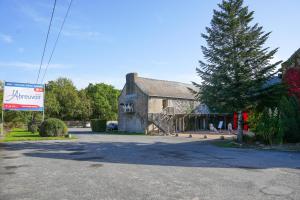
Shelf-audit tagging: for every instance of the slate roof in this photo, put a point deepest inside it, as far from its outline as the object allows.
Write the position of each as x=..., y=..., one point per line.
x=162, y=88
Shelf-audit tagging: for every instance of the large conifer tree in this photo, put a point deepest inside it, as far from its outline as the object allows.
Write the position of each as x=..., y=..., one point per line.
x=237, y=63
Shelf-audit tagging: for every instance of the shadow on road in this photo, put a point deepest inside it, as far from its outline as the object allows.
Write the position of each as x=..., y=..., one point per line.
x=185, y=154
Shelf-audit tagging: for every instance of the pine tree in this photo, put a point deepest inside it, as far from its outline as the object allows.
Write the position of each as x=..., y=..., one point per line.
x=237, y=63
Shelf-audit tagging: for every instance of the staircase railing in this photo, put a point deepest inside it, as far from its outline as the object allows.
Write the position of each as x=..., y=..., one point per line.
x=163, y=120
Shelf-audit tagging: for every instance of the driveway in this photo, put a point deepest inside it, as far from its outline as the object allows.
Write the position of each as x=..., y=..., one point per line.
x=143, y=167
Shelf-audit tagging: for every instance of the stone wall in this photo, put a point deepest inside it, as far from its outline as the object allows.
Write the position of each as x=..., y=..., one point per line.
x=135, y=121
x=181, y=106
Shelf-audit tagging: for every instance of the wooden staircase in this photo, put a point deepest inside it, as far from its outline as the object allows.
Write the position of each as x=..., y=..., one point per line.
x=163, y=120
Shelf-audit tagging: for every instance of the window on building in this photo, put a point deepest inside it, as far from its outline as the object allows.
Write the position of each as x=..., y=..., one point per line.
x=165, y=103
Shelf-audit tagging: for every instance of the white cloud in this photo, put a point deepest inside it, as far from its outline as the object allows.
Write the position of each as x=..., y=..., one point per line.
x=6, y=38
x=28, y=65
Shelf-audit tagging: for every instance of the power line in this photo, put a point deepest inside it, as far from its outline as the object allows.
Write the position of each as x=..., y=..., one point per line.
x=54, y=47
x=45, y=45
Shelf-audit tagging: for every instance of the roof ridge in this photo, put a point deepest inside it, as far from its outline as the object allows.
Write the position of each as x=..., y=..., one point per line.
x=165, y=81
x=291, y=57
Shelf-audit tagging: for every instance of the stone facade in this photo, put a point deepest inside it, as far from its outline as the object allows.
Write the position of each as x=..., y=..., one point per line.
x=135, y=120
x=143, y=107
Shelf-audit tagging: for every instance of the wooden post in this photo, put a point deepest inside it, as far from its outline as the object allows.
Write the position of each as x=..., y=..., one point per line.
x=179, y=124
x=183, y=124
x=195, y=123
x=225, y=122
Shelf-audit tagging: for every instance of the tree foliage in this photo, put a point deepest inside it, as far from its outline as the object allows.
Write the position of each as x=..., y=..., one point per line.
x=65, y=98
x=104, y=100
x=290, y=118
x=279, y=124
x=64, y=101
x=265, y=125
x=237, y=63
x=85, y=106
x=292, y=78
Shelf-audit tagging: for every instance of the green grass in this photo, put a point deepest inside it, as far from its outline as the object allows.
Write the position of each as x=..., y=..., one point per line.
x=233, y=144
x=18, y=134
x=226, y=144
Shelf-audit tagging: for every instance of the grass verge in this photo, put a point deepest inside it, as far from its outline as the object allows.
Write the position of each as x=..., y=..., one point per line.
x=233, y=144
x=22, y=135
x=226, y=144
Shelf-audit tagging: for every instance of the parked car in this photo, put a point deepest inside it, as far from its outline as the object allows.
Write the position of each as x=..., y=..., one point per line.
x=112, y=127
x=88, y=125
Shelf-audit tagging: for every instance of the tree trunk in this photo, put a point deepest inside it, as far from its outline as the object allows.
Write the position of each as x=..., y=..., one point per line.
x=240, y=127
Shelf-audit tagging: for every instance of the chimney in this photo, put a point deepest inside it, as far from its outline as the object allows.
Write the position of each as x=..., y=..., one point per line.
x=130, y=82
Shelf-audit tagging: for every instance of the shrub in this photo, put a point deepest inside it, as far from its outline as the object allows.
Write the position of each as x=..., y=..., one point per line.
x=249, y=138
x=98, y=125
x=32, y=127
x=265, y=125
x=53, y=127
x=290, y=119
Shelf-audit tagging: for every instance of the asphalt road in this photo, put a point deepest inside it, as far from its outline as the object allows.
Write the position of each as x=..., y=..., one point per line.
x=144, y=167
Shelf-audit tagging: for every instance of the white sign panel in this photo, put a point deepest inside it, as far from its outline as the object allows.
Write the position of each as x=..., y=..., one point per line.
x=23, y=96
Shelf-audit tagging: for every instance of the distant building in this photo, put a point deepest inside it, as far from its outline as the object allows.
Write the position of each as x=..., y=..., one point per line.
x=292, y=62
x=150, y=105
x=291, y=73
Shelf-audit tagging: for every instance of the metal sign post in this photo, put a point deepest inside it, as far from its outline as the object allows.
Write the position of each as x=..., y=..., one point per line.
x=2, y=123
x=2, y=115
x=44, y=103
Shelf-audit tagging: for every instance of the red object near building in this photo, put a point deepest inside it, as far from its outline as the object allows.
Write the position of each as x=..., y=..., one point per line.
x=291, y=74
x=292, y=78
x=245, y=119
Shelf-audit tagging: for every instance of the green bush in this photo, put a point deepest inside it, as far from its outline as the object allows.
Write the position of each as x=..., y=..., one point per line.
x=98, y=125
x=249, y=139
x=265, y=125
x=277, y=125
x=290, y=119
x=33, y=127
x=53, y=127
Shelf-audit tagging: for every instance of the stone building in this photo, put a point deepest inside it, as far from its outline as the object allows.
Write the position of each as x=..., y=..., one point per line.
x=150, y=105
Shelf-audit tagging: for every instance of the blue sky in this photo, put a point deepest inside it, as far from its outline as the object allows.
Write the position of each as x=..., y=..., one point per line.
x=104, y=39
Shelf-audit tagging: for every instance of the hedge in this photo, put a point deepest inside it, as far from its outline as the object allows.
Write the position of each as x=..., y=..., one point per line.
x=53, y=127
x=98, y=125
